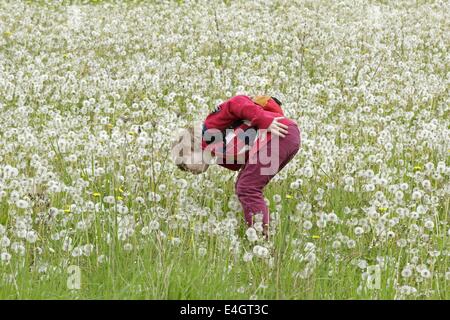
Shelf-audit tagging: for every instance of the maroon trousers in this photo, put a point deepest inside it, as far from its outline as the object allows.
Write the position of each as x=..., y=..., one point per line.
x=256, y=173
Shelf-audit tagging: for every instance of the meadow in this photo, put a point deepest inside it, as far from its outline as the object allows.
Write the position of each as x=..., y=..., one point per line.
x=92, y=207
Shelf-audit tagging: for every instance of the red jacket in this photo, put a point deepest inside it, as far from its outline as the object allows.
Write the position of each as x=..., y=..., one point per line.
x=239, y=114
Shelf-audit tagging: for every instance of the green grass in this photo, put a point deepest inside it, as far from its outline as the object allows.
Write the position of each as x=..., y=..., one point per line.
x=334, y=65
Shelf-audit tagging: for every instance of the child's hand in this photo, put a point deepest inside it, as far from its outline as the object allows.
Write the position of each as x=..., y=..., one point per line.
x=278, y=128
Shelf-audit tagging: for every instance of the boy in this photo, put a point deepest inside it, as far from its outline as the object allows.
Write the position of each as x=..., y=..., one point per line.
x=245, y=134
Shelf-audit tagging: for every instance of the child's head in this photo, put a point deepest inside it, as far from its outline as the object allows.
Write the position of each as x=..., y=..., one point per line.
x=186, y=151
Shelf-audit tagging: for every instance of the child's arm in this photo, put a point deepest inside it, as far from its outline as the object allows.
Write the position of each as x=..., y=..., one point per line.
x=243, y=107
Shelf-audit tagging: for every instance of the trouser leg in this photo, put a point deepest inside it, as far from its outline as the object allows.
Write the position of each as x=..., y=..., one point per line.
x=251, y=182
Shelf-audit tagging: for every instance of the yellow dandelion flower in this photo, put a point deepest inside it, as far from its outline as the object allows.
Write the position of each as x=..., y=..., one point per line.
x=96, y=194
x=121, y=190
x=110, y=125
x=119, y=198
x=67, y=210
x=316, y=237
x=288, y=196
x=417, y=168
x=383, y=209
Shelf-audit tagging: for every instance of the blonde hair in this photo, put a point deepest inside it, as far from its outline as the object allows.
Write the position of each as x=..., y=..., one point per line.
x=179, y=137
x=186, y=150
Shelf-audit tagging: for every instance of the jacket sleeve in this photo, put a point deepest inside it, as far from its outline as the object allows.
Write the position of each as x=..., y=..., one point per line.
x=244, y=108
